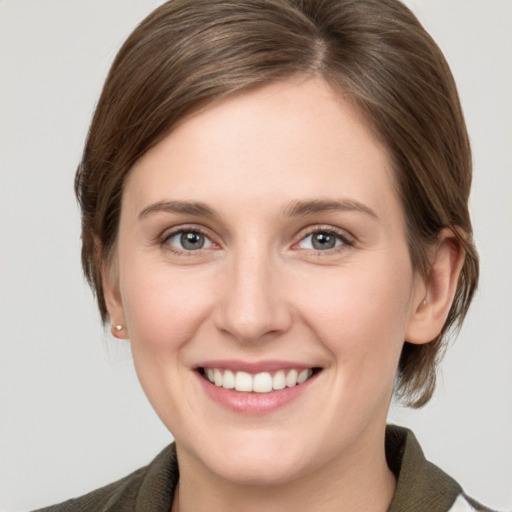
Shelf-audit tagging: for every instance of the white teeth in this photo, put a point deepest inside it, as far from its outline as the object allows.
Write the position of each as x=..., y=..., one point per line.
x=229, y=380
x=243, y=381
x=303, y=375
x=291, y=378
x=262, y=382
x=279, y=380
x=217, y=377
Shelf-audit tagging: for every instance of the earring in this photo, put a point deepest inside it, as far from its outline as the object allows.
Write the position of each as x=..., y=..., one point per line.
x=116, y=329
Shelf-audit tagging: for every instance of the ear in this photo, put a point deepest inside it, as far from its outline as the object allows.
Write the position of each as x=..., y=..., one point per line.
x=434, y=296
x=112, y=296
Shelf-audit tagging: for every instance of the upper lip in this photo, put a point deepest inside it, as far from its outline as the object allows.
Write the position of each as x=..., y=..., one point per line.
x=255, y=366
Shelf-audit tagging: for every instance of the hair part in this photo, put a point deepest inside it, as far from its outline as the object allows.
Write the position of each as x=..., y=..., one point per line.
x=190, y=53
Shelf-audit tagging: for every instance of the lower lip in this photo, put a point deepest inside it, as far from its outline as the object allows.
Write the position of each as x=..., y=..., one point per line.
x=254, y=403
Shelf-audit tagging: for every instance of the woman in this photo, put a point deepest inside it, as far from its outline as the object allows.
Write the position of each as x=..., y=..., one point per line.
x=274, y=199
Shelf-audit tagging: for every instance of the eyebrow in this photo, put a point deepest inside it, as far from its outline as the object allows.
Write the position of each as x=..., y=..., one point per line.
x=294, y=209
x=309, y=207
x=186, y=207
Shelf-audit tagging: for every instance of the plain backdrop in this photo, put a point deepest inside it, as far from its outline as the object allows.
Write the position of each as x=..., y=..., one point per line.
x=72, y=414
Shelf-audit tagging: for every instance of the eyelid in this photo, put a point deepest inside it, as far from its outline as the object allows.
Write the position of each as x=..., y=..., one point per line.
x=176, y=230
x=346, y=238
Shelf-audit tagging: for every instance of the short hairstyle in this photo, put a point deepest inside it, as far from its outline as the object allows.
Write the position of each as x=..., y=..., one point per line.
x=188, y=53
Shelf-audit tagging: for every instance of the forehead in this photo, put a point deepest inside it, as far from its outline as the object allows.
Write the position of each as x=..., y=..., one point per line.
x=282, y=142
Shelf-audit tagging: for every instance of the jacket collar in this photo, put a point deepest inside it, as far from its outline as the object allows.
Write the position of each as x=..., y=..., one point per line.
x=420, y=484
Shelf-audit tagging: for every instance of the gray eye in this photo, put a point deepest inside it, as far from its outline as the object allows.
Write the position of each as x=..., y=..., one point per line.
x=321, y=241
x=192, y=240
x=189, y=240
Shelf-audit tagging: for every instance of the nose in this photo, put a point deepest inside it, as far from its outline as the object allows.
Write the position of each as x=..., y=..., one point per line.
x=253, y=307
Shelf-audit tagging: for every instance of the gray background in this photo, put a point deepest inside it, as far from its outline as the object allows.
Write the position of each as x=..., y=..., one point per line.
x=72, y=414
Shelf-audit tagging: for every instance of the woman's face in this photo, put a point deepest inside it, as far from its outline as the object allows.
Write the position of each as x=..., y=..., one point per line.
x=262, y=243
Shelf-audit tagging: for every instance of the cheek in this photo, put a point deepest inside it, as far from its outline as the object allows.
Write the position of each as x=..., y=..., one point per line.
x=361, y=316
x=164, y=309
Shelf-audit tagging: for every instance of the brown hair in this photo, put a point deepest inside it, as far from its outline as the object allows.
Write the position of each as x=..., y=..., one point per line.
x=375, y=52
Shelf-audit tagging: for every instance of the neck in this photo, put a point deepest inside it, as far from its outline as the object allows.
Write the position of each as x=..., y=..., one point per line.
x=361, y=482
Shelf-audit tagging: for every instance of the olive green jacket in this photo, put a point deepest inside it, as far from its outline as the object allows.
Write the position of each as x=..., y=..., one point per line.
x=422, y=487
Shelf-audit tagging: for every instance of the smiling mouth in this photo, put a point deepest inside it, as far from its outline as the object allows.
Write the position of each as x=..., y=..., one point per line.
x=262, y=382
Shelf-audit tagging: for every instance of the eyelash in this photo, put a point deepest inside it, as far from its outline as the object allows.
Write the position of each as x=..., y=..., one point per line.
x=192, y=229
x=342, y=236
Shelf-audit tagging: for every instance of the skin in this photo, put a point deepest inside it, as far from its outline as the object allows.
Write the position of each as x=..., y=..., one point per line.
x=258, y=290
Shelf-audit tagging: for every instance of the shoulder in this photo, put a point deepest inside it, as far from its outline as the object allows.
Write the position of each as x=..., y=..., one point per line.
x=120, y=494
x=420, y=484
x=149, y=488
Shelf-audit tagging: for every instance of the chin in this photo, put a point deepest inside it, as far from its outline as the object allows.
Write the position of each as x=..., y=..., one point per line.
x=264, y=471
x=254, y=459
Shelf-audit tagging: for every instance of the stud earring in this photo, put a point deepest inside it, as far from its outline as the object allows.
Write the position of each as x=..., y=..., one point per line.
x=116, y=330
